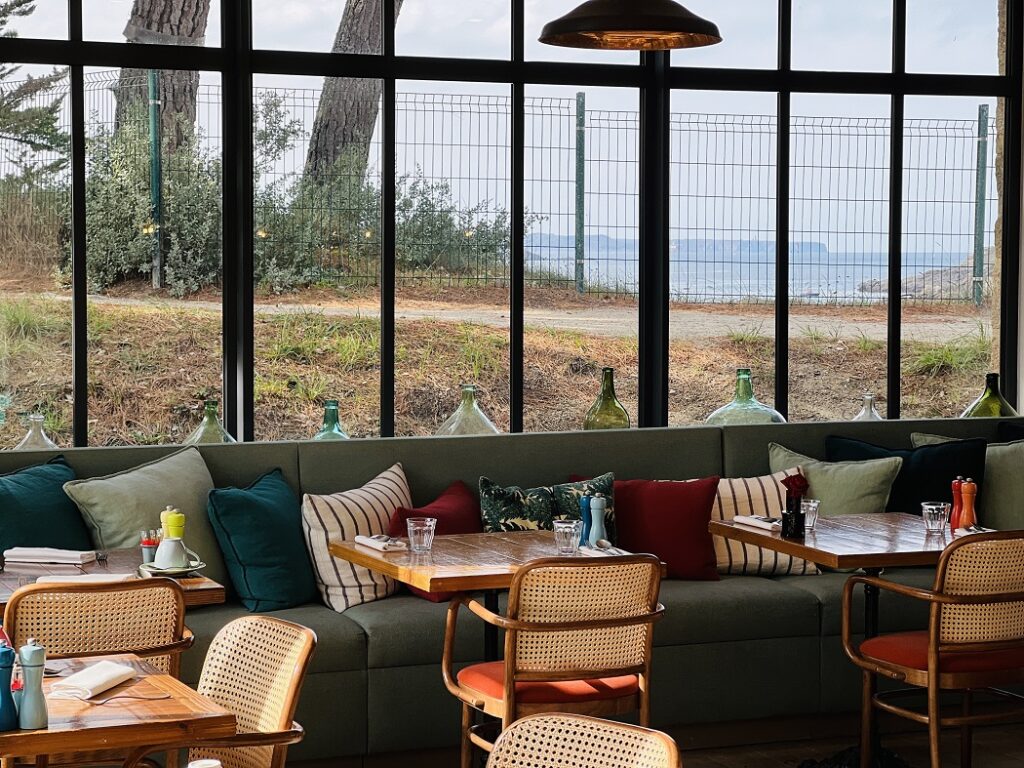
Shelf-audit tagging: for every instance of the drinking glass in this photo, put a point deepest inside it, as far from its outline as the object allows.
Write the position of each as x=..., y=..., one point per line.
x=810, y=509
x=935, y=515
x=567, y=536
x=421, y=533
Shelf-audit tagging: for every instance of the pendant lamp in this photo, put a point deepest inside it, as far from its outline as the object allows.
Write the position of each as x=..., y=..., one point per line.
x=638, y=25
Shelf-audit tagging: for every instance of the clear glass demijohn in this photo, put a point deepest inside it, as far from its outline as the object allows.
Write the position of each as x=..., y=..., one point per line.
x=745, y=408
x=868, y=410
x=468, y=419
x=210, y=430
x=36, y=438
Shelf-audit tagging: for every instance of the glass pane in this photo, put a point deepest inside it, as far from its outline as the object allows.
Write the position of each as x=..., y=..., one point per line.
x=317, y=25
x=481, y=29
x=582, y=197
x=539, y=13
x=838, y=253
x=722, y=279
x=842, y=36
x=47, y=19
x=153, y=253
x=749, y=30
x=956, y=36
x=317, y=255
x=952, y=252
x=35, y=219
x=453, y=243
x=167, y=22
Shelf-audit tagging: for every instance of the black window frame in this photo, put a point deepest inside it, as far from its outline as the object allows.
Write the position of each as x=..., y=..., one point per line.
x=654, y=76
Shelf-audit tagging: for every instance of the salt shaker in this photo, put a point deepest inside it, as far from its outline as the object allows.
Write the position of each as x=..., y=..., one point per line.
x=32, y=715
x=598, y=509
x=8, y=711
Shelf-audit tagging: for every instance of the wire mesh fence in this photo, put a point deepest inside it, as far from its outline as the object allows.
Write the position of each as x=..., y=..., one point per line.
x=453, y=152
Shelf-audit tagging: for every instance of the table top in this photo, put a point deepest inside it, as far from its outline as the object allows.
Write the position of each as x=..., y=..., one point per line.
x=874, y=540
x=199, y=590
x=78, y=726
x=458, y=563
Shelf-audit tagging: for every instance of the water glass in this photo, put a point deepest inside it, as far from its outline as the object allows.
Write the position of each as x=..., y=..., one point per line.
x=810, y=509
x=567, y=536
x=935, y=515
x=421, y=533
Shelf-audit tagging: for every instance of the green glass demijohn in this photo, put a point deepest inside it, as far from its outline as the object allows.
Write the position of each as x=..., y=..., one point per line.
x=991, y=402
x=210, y=430
x=468, y=419
x=745, y=408
x=331, y=430
x=606, y=412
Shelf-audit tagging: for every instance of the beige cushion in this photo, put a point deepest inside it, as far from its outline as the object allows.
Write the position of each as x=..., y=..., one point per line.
x=116, y=507
x=342, y=516
x=764, y=495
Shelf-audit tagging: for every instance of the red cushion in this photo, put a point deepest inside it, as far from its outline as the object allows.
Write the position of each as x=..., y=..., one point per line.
x=910, y=649
x=457, y=511
x=489, y=679
x=669, y=518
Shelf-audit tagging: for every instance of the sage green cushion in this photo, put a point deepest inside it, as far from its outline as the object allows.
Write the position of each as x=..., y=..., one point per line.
x=116, y=507
x=1002, y=491
x=523, y=509
x=843, y=487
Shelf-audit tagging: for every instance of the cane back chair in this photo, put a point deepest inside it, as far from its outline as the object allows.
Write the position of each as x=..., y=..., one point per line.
x=578, y=639
x=974, y=641
x=579, y=741
x=254, y=668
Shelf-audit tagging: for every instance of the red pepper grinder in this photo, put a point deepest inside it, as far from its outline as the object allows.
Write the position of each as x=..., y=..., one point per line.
x=958, y=504
x=968, y=518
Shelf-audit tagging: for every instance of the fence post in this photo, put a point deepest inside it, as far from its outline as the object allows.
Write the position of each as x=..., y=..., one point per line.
x=155, y=180
x=581, y=179
x=980, y=195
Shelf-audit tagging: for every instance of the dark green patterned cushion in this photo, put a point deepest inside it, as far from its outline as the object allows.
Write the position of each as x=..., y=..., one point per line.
x=526, y=509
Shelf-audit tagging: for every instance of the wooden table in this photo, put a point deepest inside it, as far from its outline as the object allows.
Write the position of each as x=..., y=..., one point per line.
x=199, y=590
x=461, y=563
x=870, y=542
x=78, y=726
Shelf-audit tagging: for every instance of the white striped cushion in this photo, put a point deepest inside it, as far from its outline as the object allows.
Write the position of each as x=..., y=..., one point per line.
x=342, y=516
x=764, y=495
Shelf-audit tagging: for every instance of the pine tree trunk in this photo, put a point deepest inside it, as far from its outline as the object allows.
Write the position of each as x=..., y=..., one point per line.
x=171, y=22
x=348, y=107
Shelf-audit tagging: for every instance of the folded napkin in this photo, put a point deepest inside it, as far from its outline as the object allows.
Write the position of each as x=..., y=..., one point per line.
x=597, y=552
x=87, y=578
x=93, y=680
x=47, y=555
x=759, y=521
x=382, y=543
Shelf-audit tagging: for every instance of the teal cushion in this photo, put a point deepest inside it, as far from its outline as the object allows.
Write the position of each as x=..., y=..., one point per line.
x=523, y=509
x=259, y=530
x=35, y=511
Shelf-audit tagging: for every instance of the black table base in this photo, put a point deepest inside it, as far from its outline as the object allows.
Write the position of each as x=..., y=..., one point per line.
x=850, y=758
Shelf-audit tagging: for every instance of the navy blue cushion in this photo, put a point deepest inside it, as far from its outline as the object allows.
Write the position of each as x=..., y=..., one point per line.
x=259, y=530
x=35, y=511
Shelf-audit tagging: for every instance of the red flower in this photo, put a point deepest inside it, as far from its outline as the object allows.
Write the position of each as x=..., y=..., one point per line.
x=796, y=485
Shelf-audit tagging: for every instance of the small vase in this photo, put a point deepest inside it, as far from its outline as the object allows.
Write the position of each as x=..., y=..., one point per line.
x=607, y=412
x=868, y=411
x=210, y=430
x=468, y=419
x=331, y=430
x=745, y=408
x=36, y=439
x=991, y=402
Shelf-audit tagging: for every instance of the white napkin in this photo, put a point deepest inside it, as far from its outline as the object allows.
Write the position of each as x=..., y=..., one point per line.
x=382, y=543
x=93, y=680
x=759, y=521
x=87, y=578
x=48, y=555
x=597, y=552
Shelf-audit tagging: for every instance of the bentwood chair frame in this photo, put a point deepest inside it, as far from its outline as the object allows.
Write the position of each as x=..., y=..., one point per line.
x=222, y=680
x=965, y=616
x=580, y=741
x=575, y=632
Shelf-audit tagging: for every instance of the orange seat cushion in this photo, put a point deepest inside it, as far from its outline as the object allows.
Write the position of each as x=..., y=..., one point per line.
x=910, y=649
x=489, y=679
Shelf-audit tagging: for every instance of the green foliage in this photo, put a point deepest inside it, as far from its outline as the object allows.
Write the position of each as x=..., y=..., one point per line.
x=963, y=354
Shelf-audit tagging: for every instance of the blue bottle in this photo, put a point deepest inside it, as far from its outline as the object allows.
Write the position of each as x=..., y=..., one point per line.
x=8, y=711
x=32, y=715
x=586, y=518
x=598, y=510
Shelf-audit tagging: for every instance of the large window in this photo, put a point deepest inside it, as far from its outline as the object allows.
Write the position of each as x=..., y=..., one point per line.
x=378, y=202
